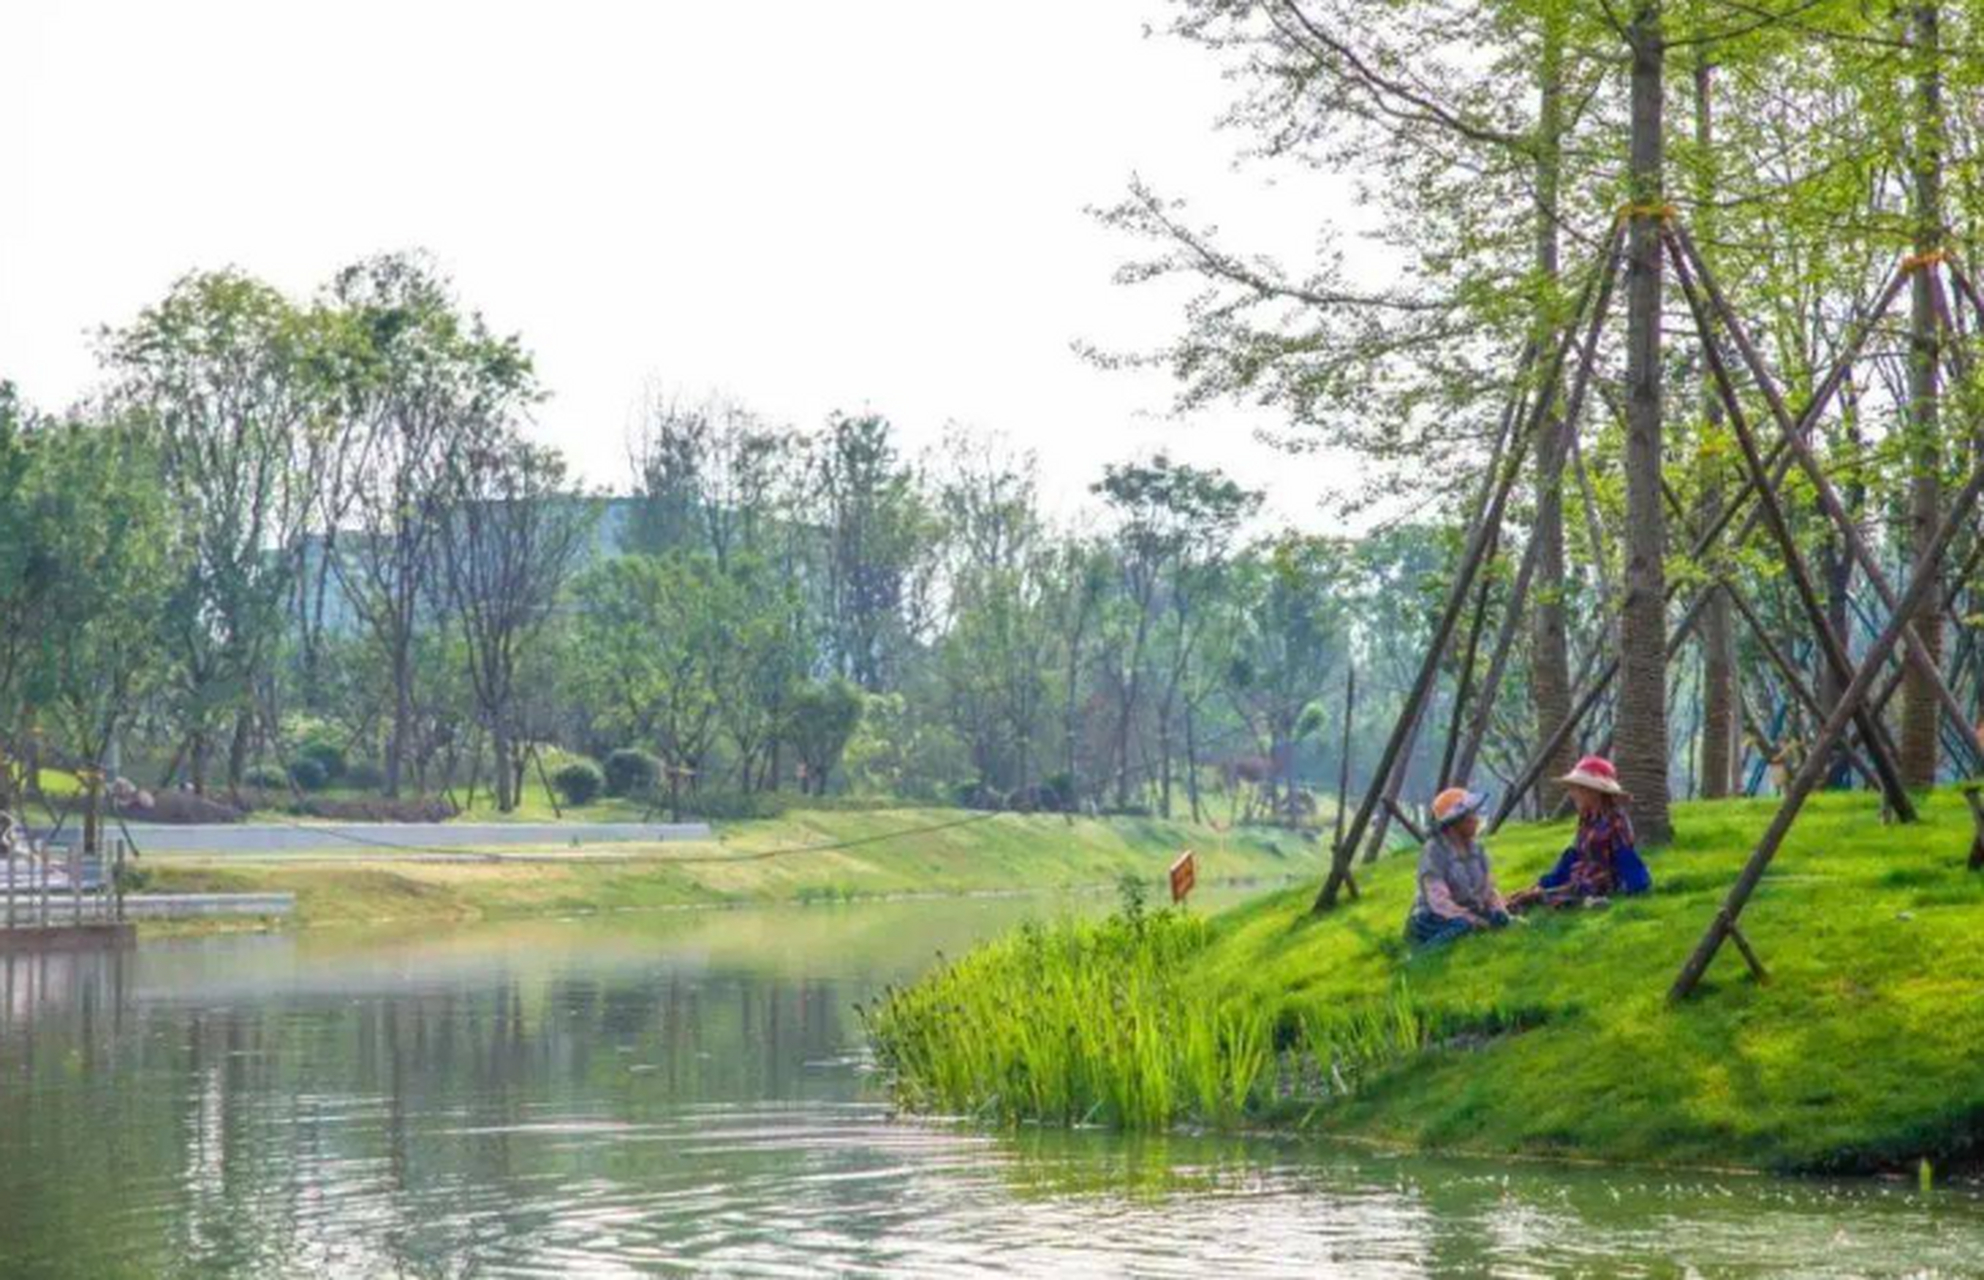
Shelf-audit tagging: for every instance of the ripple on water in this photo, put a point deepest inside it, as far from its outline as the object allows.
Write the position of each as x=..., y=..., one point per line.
x=804, y=1190
x=375, y=1114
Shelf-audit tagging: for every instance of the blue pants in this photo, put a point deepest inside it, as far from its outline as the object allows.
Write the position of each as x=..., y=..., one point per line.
x=1425, y=930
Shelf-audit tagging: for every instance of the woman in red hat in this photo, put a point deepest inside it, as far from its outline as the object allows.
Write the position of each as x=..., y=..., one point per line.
x=1602, y=861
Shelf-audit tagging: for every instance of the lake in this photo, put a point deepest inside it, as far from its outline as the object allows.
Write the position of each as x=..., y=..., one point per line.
x=686, y=1092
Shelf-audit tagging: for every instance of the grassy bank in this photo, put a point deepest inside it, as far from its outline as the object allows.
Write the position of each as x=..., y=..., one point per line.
x=1861, y=1053
x=805, y=856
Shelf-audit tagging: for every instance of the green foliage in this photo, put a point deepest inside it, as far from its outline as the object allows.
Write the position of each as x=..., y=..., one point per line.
x=631, y=772
x=83, y=536
x=579, y=782
x=364, y=776
x=326, y=755
x=653, y=649
x=823, y=718
x=309, y=774
x=220, y=377
x=266, y=777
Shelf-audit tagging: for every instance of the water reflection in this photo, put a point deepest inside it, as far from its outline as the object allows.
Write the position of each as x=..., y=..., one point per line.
x=682, y=1093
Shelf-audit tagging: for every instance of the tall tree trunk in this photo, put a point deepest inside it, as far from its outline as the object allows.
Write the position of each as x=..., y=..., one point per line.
x=1919, y=707
x=1642, y=707
x=1192, y=761
x=1719, y=730
x=402, y=731
x=506, y=788
x=237, y=750
x=197, y=763
x=1550, y=673
x=1838, y=569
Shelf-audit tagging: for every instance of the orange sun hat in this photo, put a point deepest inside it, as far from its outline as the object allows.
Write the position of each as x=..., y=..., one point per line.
x=1455, y=803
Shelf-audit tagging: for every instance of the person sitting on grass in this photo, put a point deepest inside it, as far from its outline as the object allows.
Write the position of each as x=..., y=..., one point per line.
x=1457, y=892
x=1601, y=862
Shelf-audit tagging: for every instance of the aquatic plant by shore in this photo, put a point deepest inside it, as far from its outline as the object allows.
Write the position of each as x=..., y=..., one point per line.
x=1100, y=1022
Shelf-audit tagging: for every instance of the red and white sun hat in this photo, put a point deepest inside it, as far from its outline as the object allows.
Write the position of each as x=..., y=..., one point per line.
x=1595, y=773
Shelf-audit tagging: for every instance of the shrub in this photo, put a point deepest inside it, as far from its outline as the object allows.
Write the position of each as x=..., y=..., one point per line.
x=730, y=805
x=376, y=809
x=364, y=776
x=328, y=756
x=578, y=782
x=266, y=777
x=177, y=807
x=630, y=772
x=309, y=774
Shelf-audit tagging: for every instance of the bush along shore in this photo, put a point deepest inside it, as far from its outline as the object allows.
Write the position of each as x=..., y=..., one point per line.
x=1556, y=1038
x=805, y=856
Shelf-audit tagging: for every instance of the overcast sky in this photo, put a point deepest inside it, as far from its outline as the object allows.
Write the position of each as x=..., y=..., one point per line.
x=868, y=204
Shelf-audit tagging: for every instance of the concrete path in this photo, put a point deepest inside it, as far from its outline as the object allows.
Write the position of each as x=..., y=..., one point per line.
x=384, y=839
x=194, y=906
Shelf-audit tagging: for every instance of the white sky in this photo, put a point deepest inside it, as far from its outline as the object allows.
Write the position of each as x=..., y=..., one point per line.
x=809, y=206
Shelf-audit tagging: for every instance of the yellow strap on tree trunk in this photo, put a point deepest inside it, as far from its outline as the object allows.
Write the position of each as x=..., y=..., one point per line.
x=1658, y=210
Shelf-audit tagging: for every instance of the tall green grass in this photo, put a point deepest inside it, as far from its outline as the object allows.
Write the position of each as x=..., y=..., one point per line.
x=1100, y=1022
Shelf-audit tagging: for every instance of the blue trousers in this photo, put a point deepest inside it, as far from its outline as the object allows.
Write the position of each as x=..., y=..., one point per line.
x=1426, y=930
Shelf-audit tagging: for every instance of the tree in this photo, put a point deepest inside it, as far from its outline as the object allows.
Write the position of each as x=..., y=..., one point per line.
x=220, y=376
x=654, y=639
x=1172, y=520
x=510, y=535
x=419, y=381
x=770, y=649
x=1921, y=712
x=999, y=648
x=877, y=534
x=100, y=534
x=1642, y=727
x=1292, y=634
x=712, y=477
x=823, y=718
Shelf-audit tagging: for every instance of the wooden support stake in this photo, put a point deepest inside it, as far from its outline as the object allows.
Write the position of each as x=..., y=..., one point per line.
x=1519, y=593
x=1794, y=680
x=1749, y=954
x=1972, y=797
x=1460, y=769
x=1404, y=819
x=1470, y=654
x=1343, y=754
x=1682, y=249
x=1922, y=582
x=1592, y=524
x=1497, y=490
x=1830, y=644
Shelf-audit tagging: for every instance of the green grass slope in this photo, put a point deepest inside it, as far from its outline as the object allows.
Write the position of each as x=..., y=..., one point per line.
x=1865, y=1049
x=813, y=855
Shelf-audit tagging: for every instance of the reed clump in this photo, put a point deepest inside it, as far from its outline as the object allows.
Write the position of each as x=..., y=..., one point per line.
x=1100, y=1022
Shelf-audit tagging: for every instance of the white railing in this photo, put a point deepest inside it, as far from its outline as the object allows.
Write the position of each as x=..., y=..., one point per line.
x=47, y=885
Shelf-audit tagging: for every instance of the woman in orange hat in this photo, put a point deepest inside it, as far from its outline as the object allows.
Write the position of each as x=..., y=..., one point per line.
x=1602, y=861
x=1457, y=893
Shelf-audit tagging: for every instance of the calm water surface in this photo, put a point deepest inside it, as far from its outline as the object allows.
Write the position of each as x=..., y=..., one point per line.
x=684, y=1092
